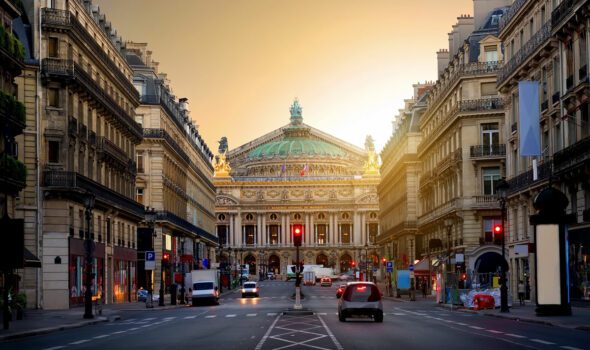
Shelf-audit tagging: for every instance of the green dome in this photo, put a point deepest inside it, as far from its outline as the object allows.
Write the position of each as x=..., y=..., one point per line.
x=296, y=146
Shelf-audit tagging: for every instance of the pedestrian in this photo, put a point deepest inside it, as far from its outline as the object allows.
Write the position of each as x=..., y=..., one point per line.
x=424, y=289
x=521, y=291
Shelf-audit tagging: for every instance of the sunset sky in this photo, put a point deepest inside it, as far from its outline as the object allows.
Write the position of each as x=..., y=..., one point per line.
x=241, y=63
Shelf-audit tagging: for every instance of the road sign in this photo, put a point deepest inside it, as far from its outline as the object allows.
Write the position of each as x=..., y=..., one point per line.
x=150, y=260
x=411, y=267
x=389, y=266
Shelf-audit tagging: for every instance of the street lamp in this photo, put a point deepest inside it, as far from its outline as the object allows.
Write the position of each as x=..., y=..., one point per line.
x=150, y=214
x=366, y=261
x=449, y=225
x=230, y=265
x=89, y=249
x=502, y=192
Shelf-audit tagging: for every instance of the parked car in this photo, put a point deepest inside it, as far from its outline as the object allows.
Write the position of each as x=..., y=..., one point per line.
x=250, y=288
x=326, y=282
x=340, y=290
x=346, y=277
x=360, y=299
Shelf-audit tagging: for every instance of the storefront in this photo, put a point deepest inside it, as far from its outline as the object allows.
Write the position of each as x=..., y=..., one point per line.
x=579, y=263
x=77, y=277
x=124, y=275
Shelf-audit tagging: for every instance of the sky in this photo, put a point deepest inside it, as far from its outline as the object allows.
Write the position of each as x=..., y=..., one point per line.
x=241, y=63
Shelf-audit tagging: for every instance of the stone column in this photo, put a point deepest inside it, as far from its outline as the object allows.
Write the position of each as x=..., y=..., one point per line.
x=238, y=230
x=307, y=230
x=356, y=228
x=312, y=238
x=287, y=231
x=364, y=233
x=282, y=234
x=258, y=230
x=263, y=231
x=231, y=239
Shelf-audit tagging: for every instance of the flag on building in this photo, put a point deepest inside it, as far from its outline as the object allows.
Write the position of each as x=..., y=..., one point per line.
x=304, y=170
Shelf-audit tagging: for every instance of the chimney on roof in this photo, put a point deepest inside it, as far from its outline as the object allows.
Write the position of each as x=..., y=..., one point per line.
x=459, y=34
x=442, y=60
x=482, y=9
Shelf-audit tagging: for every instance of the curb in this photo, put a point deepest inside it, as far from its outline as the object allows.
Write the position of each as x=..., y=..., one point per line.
x=47, y=330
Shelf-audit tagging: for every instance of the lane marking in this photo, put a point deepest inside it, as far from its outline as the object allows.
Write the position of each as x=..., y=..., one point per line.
x=542, y=341
x=145, y=325
x=271, y=314
x=515, y=335
x=133, y=329
x=494, y=331
x=570, y=348
x=210, y=316
x=251, y=315
x=402, y=314
x=230, y=315
x=475, y=327
x=261, y=342
x=80, y=342
x=55, y=348
x=462, y=324
x=169, y=318
x=338, y=346
x=101, y=336
x=147, y=319
x=189, y=317
x=119, y=332
x=322, y=313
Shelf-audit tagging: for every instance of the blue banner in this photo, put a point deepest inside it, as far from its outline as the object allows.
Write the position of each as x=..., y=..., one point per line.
x=530, y=131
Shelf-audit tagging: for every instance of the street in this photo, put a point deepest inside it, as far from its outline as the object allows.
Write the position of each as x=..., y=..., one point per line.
x=258, y=323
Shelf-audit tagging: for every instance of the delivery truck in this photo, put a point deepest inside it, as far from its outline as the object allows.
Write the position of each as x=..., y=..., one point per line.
x=205, y=285
x=309, y=278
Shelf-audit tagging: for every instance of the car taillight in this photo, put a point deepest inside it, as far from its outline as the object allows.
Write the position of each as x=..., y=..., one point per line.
x=361, y=288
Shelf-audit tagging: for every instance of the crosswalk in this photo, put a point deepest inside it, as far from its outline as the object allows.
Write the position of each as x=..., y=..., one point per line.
x=438, y=315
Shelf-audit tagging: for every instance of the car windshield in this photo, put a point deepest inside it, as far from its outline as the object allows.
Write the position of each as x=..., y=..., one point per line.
x=203, y=286
x=362, y=293
x=249, y=285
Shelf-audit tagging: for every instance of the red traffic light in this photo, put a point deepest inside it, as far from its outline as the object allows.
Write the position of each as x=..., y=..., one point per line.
x=353, y=263
x=464, y=276
x=297, y=235
x=166, y=256
x=384, y=261
x=498, y=229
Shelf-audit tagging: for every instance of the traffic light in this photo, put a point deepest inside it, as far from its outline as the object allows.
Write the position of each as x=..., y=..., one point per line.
x=463, y=276
x=297, y=235
x=353, y=263
x=384, y=261
x=165, y=259
x=498, y=230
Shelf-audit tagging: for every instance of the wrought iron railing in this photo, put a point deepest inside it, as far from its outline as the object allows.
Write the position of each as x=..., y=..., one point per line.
x=162, y=134
x=484, y=104
x=107, y=146
x=62, y=19
x=69, y=181
x=531, y=46
x=163, y=215
x=563, y=10
x=525, y=180
x=574, y=155
x=68, y=69
x=481, y=151
x=511, y=13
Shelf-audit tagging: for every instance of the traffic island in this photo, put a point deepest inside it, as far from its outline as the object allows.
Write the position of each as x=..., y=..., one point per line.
x=298, y=312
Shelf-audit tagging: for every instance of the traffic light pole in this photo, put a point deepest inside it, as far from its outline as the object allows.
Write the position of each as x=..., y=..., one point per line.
x=297, y=305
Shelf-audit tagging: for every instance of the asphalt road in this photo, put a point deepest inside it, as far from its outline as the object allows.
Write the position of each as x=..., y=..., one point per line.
x=258, y=323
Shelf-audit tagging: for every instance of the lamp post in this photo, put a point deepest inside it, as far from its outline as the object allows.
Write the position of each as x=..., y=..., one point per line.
x=366, y=261
x=151, y=220
x=449, y=226
x=89, y=249
x=161, y=300
x=502, y=192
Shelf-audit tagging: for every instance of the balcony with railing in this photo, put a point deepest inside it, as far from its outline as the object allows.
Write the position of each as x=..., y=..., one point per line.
x=511, y=14
x=163, y=215
x=481, y=105
x=574, y=156
x=162, y=134
x=77, y=186
x=525, y=180
x=60, y=69
x=450, y=161
x=62, y=20
x=110, y=149
x=486, y=201
x=488, y=151
x=564, y=11
x=531, y=47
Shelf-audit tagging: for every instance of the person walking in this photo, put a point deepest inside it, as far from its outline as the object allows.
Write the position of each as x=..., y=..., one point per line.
x=521, y=291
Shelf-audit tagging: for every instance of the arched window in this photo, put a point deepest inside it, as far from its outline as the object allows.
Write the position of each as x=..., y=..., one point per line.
x=273, y=216
x=249, y=217
x=321, y=216
x=221, y=217
x=297, y=216
x=373, y=216
x=345, y=216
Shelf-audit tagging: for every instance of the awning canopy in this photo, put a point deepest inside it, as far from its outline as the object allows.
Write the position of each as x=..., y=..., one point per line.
x=422, y=265
x=30, y=259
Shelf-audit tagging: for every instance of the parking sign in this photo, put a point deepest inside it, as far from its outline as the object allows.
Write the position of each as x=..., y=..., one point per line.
x=389, y=266
x=150, y=260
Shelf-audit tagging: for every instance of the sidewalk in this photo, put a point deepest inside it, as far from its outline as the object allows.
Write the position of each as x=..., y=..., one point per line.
x=37, y=322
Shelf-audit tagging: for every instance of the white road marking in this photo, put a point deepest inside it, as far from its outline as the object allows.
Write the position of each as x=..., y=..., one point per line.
x=251, y=315
x=145, y=325
x=230, y=315
x=55, y=348
x=261, y=342
x=475, y=327
x=133, y=329
x=494, y=331
x=147, y=319
x=80, y=342
x=462, y=324
x=118, y=332
x=402, y=314
x=338, y=346
x=169, y=318
x=210, y=316
x=322, y=313
x=101, y=336
x=271, y=314
x=570, y=348
x=515, y=335
x=189, y=317
x=542, y=341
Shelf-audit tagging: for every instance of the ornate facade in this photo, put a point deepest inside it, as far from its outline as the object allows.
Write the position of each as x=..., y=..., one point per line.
x=547, y=41
x=296, y=175
x=174, y=177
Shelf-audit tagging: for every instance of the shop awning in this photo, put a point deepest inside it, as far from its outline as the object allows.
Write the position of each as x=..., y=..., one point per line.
x=30, y=259
x=422, y=265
